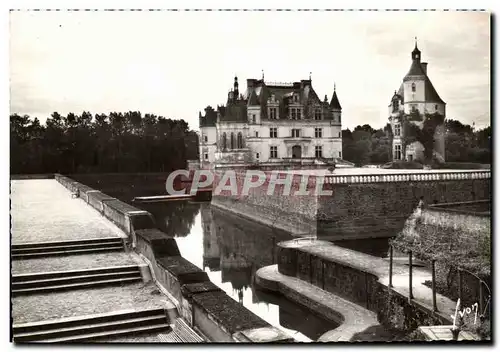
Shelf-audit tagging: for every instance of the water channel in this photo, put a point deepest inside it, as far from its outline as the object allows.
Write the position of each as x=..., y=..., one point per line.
x=230, y=249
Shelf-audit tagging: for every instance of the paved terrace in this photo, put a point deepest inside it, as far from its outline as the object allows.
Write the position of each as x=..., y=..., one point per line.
x=45, y=211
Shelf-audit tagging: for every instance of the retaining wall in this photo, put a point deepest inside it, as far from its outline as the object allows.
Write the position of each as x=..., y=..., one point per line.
x=358, y=285
x=361, y=210
x=361, y=206
x=291, y=213
x=450, y=225
x=202, y=304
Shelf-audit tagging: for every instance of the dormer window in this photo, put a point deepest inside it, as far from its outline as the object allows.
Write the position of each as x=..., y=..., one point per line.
x=272, y=113
x=395, y=105
x=295, y=113
x=317, y=114
x=295, y=98
x=413, y=87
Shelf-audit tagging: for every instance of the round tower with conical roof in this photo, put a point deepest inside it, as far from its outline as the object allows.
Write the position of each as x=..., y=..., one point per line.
x=416, y=96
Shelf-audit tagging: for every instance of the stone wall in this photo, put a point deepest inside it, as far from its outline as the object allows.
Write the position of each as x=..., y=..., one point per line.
x=204, y=306
x=356, y=284
x=125, y=183
x=32, y=177
x=447, y=226
x=381, y=209
x=360, y=206
x=291, y=213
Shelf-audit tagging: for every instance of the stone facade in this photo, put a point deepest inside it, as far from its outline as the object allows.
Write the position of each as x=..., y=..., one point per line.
x=416, y=94
x=271, y=123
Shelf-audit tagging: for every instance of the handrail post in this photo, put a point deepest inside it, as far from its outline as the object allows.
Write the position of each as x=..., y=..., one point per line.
x=481, y=293
x=411, y=278
x=274, y=250
x=460, y=286
x=434, y=304
x=390, y=265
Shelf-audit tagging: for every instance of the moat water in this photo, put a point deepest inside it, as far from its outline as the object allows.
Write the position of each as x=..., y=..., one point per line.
x=230, y=249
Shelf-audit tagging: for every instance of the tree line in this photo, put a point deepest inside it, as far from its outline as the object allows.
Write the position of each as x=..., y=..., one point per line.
x=132, y=142
x=86, y=143
x=366, y=145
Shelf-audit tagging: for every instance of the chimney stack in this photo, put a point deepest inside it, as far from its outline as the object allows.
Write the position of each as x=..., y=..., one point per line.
x=424, y=67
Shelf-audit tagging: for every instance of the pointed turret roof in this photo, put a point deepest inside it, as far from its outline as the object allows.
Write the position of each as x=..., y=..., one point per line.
x=415, y=51
x=416, y=69
x=334, y=103
x=252, y=99
x=431, y=94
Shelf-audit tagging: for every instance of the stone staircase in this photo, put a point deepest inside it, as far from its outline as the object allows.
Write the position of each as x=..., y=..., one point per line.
x=34, y=283
x=45, y=249
x=95, y=327
x=185, y=332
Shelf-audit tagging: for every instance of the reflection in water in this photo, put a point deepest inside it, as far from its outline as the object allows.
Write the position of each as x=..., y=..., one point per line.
x=174, y=218
x=297, y=318
x=231, y=248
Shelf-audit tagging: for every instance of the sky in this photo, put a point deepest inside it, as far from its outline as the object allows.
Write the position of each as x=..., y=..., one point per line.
x=174, y=64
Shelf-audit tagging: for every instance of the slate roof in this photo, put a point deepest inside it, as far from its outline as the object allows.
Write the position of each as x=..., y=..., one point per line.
x=252, y=100
x=209, y=119
x=430, y=93
x=416, y=69
x=335, y=104
x=259, y=92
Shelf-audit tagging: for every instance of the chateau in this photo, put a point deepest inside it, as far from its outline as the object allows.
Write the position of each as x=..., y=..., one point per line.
x=415, y=98
x=272, y=123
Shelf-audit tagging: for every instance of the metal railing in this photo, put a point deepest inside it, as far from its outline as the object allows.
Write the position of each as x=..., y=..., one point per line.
x=483, y=302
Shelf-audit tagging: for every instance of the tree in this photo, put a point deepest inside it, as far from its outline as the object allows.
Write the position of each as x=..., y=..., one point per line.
x=120, y=142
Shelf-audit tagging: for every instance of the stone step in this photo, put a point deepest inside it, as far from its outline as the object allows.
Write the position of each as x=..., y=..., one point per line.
x=85, y=320
x=75, y=286
x=56, y=274
x=170, y=337
x=92, y=328
x=73, y=279
x=71, y=247
x=65, y=252
x=185, y=333
x=115, y=333
x=66, y=243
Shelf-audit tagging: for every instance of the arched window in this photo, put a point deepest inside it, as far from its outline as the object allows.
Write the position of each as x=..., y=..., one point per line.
x=232, y=140
x=224, y=141
x=240, y=140
x=413, y=87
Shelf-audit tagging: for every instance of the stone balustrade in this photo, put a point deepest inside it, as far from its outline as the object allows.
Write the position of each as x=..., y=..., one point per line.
x=408, y=177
